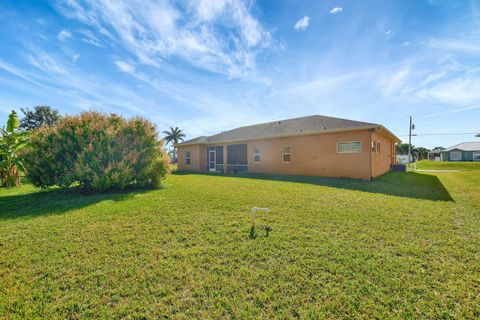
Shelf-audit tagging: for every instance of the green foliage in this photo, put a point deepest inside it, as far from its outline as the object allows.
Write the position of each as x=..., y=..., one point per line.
x=419, y=153
x=40, y=116
x=12, y=122
x=12, y=142
x=96, y=151
x=174, y=136
x=402, y=148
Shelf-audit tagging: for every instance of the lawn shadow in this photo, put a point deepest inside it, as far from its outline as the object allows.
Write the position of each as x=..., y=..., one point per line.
x=401, y=184
x=55, y=201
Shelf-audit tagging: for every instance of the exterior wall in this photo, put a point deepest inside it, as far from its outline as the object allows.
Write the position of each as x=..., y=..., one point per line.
x=198, y=158
x=381, y=161
x=466, y=155
x=314, y=155
x=311, y=155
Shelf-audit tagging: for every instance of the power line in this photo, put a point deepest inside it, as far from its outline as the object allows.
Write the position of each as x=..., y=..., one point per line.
x=439, y=134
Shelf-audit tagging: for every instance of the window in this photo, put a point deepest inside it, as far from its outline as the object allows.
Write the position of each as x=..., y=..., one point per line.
x=375, y=147
x=286, y=154
x=349, y=147
x=456, y=156
x=187, y=158
x=256, y=155
x=476, y=156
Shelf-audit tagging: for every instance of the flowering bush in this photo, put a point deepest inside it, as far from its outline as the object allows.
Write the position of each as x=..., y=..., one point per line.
x=96, y=151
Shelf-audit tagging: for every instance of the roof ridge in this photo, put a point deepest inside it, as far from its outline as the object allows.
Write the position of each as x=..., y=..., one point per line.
x=291, y=119
x=286, y=127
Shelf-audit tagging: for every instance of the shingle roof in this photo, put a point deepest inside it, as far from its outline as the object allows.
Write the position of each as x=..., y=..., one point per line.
x=281, y=128
x=466, y=146
x=200, y=139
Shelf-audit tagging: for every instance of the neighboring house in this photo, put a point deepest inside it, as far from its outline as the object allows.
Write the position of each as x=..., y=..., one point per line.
x=435, y=155
x=465, y=151
x=314, y=146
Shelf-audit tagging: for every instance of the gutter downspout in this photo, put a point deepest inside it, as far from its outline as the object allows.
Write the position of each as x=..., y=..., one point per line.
x=370, y=152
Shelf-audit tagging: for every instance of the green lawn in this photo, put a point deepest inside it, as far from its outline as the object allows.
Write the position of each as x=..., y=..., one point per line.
x=404, y=246
x=447, y=165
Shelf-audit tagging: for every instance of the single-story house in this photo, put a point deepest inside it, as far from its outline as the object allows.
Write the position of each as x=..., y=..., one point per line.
x=314, y=146
x=435, y=154
x=465, y=151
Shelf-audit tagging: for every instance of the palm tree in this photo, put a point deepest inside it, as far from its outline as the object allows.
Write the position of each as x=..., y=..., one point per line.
x=174, y=136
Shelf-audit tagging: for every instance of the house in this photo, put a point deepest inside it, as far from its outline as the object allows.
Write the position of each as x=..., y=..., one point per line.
x=465, y=151
x=435, y=154
x=314, y=146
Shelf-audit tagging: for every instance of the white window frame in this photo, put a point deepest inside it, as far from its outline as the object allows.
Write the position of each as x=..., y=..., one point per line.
x=188, y=158
x=256, y=152
x=289, y=153
x=345, y=142
x=477, y=153
x=455, y=152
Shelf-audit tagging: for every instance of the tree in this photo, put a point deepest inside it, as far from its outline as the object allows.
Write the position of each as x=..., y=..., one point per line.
x=402, y=148
x=421, y=153
x=12, y=141
x=478, y=135
x=41, y=115
x=439, y=148
x=174, y=136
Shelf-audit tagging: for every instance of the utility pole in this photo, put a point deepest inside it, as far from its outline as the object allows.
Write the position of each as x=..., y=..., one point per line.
x=410, y=128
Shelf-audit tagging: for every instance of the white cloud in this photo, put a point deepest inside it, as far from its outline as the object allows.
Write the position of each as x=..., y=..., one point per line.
x=45, y=63
x=322, y=85
x=75, y=57
x=392, y=84
x=452, y=111
x=125, y=66
x=221, y=36
x=336, y=10
x=64, y=34
x=388, y=32
x=459, y=91
x=406, y=44
x=302, y=24
x=89, y=37
x=464, y=46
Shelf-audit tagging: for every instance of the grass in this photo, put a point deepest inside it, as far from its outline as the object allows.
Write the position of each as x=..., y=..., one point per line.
x=447, y=165
x=403, y=246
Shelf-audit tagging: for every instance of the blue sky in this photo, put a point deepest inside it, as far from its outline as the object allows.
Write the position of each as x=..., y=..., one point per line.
x=211, y=65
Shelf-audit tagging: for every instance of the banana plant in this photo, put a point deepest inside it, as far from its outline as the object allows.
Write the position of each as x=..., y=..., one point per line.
x=12, y=141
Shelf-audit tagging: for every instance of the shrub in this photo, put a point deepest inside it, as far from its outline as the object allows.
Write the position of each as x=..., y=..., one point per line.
x=96, y=151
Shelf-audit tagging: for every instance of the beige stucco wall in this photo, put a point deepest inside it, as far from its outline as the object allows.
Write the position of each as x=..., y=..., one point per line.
x=313, y=155
x=382, y=160
x=198, y=156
